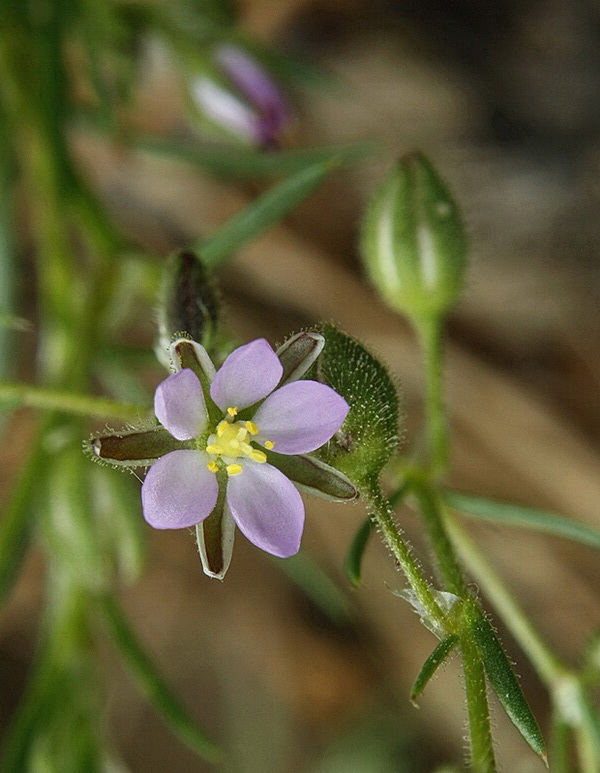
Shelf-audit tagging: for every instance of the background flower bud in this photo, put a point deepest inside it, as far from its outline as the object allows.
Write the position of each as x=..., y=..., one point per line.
x=242, y=98
x=413, y=241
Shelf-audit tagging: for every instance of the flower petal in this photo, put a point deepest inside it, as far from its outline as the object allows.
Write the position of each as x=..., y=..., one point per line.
x=267, y=508
x=179, y=490
x=250, y=373
x=300, y=417
x=252, y=79
x=179, y=405
x=226, y=110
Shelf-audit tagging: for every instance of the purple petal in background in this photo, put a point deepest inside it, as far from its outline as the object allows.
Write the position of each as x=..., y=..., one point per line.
x=300, y=417
x=179, y=405
x=179, y=490
x=267, y=508
x=226, y=110
x=256, y=84
x=250, y=373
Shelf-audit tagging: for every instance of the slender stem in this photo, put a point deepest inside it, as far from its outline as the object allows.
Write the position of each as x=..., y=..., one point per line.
x=560, y=743
x=480, y=731
x=383, y=516
x=67, y=402
x=431, y=339
x=548, y=666
x=430, y=508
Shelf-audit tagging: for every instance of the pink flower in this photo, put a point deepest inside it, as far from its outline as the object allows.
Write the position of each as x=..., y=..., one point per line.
x=229, y=424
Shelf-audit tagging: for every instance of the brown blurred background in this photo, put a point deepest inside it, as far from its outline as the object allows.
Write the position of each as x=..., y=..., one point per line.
x=505, y=98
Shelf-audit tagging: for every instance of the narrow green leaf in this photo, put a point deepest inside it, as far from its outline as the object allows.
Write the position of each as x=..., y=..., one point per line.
x=262, y=213
x=560, y=747
x=14, y=394
x=503, y=679
x=15, y=524
x=153, y=686
x=44, y=690
x=431, y=665
x=243, y=163
x=356, y=551
x=523, y=517
x=318, y=586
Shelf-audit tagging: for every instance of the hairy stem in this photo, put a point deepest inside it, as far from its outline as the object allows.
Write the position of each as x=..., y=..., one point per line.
x=480, y=731
x=383, y=516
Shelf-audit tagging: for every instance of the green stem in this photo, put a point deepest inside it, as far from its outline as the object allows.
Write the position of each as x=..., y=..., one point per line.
x=430, y=508
x=67, y=402
x=383, y=516
x=431, y=340
x=480, y=731
x=560, y=745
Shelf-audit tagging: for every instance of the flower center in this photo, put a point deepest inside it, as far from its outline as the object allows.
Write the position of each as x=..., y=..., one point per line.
x=230, y=444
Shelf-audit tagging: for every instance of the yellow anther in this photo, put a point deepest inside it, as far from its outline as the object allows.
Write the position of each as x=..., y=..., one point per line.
x=252, y=428
x=232, y=411
x=222, y=427
x=258, y=456
x=269, y=444
x=213, y=466
x=233, y=469
x=215, y=449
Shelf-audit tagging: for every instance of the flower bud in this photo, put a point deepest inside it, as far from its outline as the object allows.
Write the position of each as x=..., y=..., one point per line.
x=413, y=241
x=190, y=303
x=242, y=98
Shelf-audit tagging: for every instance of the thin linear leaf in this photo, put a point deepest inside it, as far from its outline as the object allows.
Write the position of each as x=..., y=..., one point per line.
x=503, y=679
x=523, y=517
x=316, y=584
x=431, y=665
x=15, y=525
x=153, y=686
x=356, y=551
x=262, y=213
x=242, y=163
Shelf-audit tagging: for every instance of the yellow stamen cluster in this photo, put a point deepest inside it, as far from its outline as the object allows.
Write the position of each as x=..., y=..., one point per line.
x=231, y=442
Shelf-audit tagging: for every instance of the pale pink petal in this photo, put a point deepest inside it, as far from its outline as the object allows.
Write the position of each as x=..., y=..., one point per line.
x=179, y=490
x=226, y=110
x=250, y=373
x=267, y=508
x=300, y=416
x=179, y=405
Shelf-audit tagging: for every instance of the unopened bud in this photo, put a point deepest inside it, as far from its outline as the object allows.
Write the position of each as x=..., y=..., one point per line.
x=242, y=97
x=413, y=241
x=190, y=301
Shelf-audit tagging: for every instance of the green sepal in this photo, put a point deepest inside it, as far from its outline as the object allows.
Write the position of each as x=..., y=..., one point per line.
x=353, y=562
x=314, y=476
x=132, y=447
x=190, y=301
x=298, y=354
x=215, y=535
x=189, y=354
x=503, y=679
x=431, y=665
x=370, y=433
